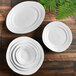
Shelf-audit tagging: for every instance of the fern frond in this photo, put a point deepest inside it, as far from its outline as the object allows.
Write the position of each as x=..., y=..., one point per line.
x=64, y=8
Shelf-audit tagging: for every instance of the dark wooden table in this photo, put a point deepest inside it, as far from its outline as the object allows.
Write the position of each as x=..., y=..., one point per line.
x=55, y=64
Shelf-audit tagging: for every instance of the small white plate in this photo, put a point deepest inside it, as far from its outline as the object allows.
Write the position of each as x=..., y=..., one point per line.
x=57, y=36
x=25, y=17
x=35, y=65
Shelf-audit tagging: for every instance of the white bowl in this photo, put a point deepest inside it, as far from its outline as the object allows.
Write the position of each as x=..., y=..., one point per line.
x=14, y=52
x=57, y=36
x=25, y=17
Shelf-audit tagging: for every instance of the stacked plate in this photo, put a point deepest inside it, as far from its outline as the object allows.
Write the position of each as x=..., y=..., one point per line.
x=57, y=36
x=25, y=17
x=24, y=55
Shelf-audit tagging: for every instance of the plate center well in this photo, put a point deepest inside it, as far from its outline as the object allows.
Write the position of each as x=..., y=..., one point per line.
x=25, y=56
x=25, y=17
x=57, y=36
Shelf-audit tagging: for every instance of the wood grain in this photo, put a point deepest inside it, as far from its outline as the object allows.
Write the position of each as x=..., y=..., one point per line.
x=55, y=64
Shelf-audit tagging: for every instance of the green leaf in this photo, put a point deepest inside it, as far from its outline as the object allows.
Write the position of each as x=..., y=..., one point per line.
x=66, y=10
x=62, y=1
x=63, y=8
x=57, y=1
x=45, y=3
x=52, y=5
x=46, y=7
x=74, y=14
x=42, y=1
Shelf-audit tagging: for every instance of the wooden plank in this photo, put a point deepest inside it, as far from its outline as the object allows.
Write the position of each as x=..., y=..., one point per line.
x=48, y=67
x=3, y=12
x=14, y=2
x=60, y=57
x=59, y=65
x=6, y=73
x=68, y=72
x=5, y=2
x=5, y=7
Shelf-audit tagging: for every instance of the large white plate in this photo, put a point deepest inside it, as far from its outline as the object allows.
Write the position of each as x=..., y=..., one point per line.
x=35, y=65
x=57, y=36
x=14, y=48
x=14, y=52
x=25, y=17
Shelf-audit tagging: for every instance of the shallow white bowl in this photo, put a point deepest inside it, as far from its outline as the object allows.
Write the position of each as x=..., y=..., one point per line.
x=57, y=36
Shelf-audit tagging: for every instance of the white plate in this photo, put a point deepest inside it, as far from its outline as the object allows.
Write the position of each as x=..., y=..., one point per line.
x=37, y=63
x=17, y=59
x=57, y=36
x=14, y=49
x=25, y=17
x=19, y=44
